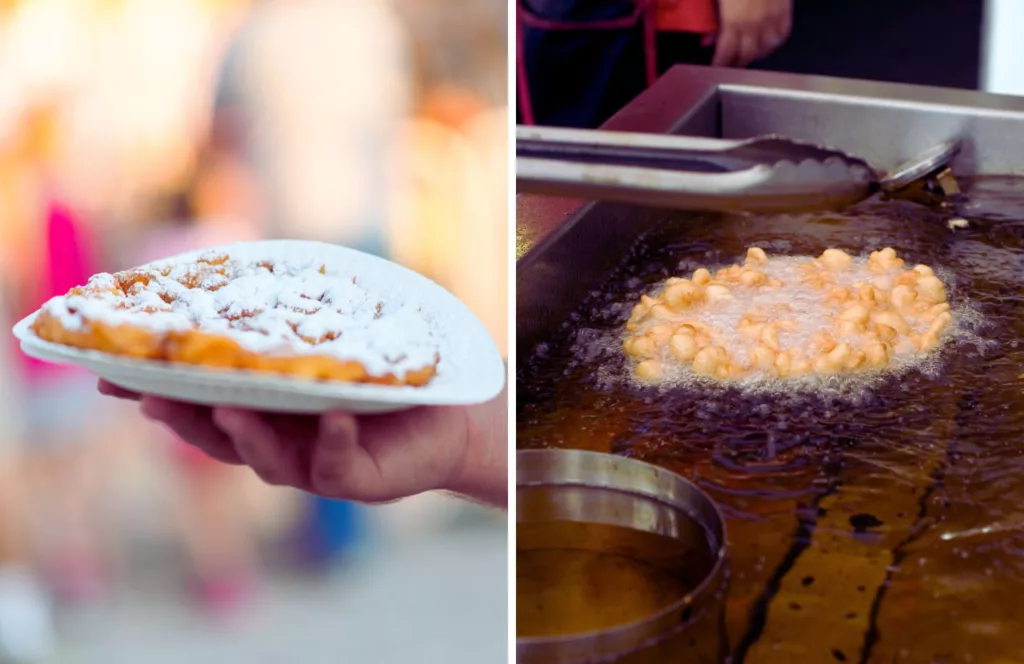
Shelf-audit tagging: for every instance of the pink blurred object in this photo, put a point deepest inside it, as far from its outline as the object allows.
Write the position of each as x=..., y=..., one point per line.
x=78, y=579
x=68, y=262
x=225, y=598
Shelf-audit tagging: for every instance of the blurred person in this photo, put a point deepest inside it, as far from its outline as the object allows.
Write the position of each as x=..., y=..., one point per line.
x=64, y=421
x=366, y=458
x=223, y=195
x=452, y=225
x=578, y=63
x=458, y=46
x=49, y=517
x=310, y=101
x=26, y=624
x=450, y=219
x=311, y=98
x=212, y=519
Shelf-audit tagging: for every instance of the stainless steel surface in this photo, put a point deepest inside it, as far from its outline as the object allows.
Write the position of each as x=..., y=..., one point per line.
x=564, y=244
x=928, y=162
x=762, y=174
x=594, y=488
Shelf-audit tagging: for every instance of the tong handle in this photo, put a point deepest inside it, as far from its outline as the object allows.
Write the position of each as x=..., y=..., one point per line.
x=622, y=139
x=631, y=156
x=668, y=152
x=759, y=174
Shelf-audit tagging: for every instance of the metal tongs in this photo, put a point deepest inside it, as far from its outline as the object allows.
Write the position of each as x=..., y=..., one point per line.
x=764, y=174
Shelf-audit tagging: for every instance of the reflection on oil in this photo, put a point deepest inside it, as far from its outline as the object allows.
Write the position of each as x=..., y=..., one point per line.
x=840, y=506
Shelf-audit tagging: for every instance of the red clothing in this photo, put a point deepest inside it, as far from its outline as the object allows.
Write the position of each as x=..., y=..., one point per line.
x=696, y=16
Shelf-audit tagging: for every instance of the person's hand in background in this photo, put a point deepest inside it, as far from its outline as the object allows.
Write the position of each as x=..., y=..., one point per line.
x=750, y=30
x=366, y=458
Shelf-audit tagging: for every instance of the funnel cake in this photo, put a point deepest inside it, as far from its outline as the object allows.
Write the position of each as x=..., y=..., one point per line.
x=302, y=320
x=783, y=317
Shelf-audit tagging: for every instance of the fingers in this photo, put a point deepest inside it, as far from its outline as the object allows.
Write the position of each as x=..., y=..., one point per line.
x=751, y=31
x=740, y=47
x=276, y=459
x=239, y=437
x=371, y=459
x=111, y=390
x=384, y=457
x=341, y=467
x=749, y=49
x=726, y=48
x=194, y=425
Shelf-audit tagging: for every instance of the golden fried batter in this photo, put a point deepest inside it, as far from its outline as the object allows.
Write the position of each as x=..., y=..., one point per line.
x=789, y=316
x=298, y=320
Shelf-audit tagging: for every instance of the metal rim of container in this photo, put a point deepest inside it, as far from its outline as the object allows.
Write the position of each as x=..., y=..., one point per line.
x=707, y=510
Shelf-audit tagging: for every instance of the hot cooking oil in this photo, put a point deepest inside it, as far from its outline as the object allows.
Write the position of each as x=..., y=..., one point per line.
x=856, y=514
x=574, y=577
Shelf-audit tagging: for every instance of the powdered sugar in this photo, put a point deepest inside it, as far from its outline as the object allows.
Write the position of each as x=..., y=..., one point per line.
x=266, y=306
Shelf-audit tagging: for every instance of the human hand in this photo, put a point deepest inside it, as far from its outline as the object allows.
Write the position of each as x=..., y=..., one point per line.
x=750, y=30
x=366, y=458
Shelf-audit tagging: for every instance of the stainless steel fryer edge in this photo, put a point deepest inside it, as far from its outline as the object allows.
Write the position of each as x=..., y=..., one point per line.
x=564, y=246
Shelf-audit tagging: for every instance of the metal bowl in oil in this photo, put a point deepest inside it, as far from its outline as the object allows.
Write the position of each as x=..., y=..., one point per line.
x=616, y=561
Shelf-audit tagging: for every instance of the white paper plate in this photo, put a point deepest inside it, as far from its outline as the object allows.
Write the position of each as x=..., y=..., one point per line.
x=471, y=369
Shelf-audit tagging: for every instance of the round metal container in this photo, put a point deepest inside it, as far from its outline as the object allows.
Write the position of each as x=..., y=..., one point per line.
x=583, y=518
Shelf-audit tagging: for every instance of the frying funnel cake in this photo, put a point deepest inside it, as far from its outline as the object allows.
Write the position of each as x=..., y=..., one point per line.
x=785, y=317
x=305, y=320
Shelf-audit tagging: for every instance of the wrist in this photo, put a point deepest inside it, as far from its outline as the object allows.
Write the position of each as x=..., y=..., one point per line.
x=484, y=473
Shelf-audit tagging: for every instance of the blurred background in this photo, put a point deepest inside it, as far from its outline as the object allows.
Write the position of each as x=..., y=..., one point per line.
x=133, y=129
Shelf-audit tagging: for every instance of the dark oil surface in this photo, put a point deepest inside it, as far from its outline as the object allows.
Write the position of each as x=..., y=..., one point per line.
x=881, y=524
